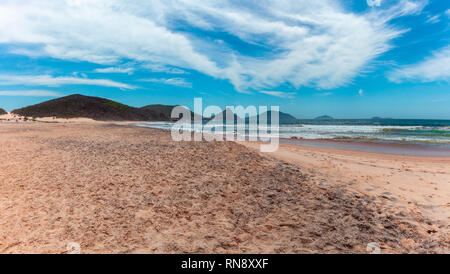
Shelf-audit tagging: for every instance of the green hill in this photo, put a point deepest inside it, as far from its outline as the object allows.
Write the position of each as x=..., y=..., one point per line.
x=161, y=112
x=102, y=109
x=88, y=107
x=284, y=118
x=2, y=111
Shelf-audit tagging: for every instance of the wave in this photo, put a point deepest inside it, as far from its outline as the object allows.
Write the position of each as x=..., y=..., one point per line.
x=391, y=140
x=421, y=132
x=369, y=133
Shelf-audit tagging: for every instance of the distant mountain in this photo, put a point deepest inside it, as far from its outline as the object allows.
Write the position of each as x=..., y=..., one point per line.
x=324, y=117
x=380, y=118
x=2, y=111
x=160, y=112
x=228, y=112
x=224, y=116
x=102, y=109
x=88, y=107
x=284, y=118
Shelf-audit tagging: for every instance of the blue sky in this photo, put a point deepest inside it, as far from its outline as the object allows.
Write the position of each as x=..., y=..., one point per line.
x=347, y=58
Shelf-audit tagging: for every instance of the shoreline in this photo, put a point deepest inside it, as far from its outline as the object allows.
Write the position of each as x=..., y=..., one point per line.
x=385, y=146
x=389, y=148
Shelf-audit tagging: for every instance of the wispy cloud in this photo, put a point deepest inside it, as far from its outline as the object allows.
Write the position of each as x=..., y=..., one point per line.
x=309, y=43
x=48, y=80
x=179, y=82
x=115, y=70
x=162, y=68
x=30, y=93
x=374, y=3
x=280, y=94
x=434, y=68
x=130, y=68
x=361, y=92
x=433, y=19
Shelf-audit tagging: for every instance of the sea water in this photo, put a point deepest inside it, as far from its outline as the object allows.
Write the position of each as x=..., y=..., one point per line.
x=368, y=130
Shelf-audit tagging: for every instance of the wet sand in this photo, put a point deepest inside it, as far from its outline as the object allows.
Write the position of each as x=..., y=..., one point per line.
x=124, y=189
x=431, y=150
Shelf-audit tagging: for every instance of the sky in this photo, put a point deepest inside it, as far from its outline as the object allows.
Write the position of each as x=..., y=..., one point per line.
x=343, y=58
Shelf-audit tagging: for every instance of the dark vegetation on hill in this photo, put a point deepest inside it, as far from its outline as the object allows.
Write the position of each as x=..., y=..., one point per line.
x=162, y=112
x=102, y=109
x=90, y=107
x=284, y=118
x=2, y=111
x=227, y=112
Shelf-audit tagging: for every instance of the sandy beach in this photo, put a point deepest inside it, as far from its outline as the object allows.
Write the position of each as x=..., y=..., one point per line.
x=123, y=189
x=417, y=186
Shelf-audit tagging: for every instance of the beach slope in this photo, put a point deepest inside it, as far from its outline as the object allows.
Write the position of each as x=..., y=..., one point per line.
x=122, y=189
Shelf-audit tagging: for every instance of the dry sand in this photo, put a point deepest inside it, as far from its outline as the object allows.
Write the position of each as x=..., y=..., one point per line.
x=14, y=118
x=122, y=189
x=406, y=185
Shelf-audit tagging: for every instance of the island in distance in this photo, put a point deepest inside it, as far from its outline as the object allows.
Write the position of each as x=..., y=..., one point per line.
x=324, y=117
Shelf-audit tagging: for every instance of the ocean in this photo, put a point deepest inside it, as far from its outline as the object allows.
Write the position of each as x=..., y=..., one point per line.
x=368, y=130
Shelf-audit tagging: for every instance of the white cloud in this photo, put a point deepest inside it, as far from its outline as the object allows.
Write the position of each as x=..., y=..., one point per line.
x=115, y=70
x=163, y=68
x=374, y=3
x=179, y=82
x=279, y=94
x=101, y=31
x=47, y=80
x=305, y=43
x=434, y=68
x=132, y=67
x=361, y=92
x=447, y=12
x=30, y=93
x=433, y=19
